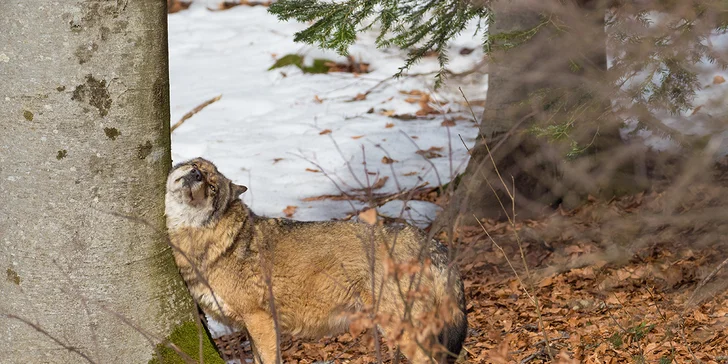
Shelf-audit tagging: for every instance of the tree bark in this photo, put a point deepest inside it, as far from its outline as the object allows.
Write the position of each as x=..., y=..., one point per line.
x=85, y=141
x=561, y=58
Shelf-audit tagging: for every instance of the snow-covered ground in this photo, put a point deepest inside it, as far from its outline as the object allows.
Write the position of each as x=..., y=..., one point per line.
x=267, y=128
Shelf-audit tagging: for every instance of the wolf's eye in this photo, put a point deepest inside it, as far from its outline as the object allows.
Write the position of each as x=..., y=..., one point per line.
x=212, y=188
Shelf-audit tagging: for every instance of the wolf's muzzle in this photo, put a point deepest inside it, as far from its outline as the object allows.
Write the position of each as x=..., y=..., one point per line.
x=194, y=176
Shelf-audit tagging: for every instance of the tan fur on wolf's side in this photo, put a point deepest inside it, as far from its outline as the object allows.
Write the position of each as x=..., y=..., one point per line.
x=320, y=272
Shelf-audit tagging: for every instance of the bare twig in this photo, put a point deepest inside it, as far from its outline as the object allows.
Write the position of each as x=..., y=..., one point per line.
x=194, y=111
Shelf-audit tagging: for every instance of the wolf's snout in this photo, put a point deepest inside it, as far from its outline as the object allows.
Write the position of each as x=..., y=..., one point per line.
x=195, y=175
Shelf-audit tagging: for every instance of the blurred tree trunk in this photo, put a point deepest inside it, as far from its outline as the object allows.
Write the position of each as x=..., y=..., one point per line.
x=538, y=82
x=84, y=116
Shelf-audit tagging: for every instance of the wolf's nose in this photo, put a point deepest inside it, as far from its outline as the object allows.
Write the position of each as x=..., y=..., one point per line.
x=196, y=174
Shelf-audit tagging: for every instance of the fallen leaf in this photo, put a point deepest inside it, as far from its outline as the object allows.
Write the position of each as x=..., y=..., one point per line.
x=357, y=137
x=717, y=80
x=317, y=100
x=325, y=131
x=369, y=216
x=387, y=160
x=404, y=117
x=410, y=174
x=430, y=153
x=290, y=210
x=360, y=97
x=386, y=112
x=276, y=160
x=380, y=183
x=448, y=122
x=312, y=170
x=389, y=125
x=175, y=6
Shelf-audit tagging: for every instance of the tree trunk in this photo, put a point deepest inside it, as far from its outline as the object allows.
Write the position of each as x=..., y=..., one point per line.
x=558, y=56
x=85, y=141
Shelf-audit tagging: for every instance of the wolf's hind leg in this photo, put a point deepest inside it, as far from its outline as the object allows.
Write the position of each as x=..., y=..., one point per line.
x=262, y=332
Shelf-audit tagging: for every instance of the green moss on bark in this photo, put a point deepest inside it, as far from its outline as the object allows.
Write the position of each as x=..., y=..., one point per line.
x=187, y=338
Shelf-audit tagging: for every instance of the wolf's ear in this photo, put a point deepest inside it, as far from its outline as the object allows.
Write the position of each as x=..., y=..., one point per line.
x=238, y=190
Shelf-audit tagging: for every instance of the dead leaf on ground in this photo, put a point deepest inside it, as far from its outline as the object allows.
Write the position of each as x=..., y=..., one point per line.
x=290, y=210
x=389, y=125
x=448, y=122
x=430, y=153
x=369, y=216
x=380, y=183
x=410, y=174
x=377, y=185
x=312, y=170
x=318, y=100
x=717, y=80
x=357, y=137
x=387, y=160
x=174, y=6
x=325, y=131
x=276, y=160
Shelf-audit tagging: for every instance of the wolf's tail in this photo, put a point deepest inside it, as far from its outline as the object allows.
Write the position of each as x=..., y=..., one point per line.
x=454, y=333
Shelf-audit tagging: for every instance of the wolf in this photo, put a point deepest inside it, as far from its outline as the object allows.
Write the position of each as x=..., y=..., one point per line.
x=310, y=279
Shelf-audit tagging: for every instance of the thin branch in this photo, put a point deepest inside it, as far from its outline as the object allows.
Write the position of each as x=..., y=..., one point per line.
x=194, y=111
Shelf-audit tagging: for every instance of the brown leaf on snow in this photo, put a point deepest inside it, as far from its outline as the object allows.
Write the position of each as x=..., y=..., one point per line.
x=369, y=216
x=387, y=160
x=377, y=185
x=448, y=122
x=174, y=6
x=413, y=92
x=325, y=131
x=276, y=160
x=290, y=210
x=318, y=100
x=380, y=183
x=357, y=137
x=312, y=170
x=389, y=125
x=410, y=174
x=430, y=153
x=717, y=80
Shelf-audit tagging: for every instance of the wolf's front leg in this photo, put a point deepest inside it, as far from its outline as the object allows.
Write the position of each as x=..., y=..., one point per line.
x=262, y=332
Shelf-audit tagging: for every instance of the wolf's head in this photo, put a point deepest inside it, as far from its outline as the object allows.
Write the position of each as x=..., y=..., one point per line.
x=197, y=194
